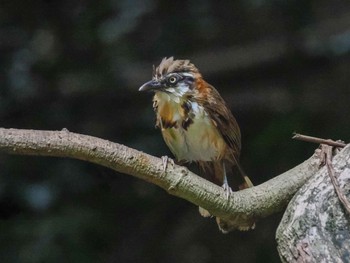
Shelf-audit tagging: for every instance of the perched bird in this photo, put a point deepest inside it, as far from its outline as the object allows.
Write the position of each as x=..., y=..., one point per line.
x=195, y=123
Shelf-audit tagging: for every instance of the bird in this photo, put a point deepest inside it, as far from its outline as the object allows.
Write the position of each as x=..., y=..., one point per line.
x=196, y=124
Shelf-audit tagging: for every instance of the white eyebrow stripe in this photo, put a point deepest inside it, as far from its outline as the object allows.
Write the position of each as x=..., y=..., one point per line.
x=187, y=74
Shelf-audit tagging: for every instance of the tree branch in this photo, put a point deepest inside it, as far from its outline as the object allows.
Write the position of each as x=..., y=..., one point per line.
x=243, y=206
x=315, y=225
x=334, y=180
x=312, y=139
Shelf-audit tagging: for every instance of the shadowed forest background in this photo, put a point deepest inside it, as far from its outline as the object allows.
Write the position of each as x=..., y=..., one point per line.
x=281, y=65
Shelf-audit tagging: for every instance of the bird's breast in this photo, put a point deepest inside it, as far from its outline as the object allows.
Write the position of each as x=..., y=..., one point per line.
x=189, y=132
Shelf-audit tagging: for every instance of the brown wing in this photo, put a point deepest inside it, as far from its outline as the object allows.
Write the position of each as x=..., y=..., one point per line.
x=224, y=121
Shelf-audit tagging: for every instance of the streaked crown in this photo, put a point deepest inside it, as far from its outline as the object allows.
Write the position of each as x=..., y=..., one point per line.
x=169, y=65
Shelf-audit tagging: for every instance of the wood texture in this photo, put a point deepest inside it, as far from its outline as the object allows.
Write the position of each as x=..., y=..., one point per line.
x=315, y=226
x=242, y=206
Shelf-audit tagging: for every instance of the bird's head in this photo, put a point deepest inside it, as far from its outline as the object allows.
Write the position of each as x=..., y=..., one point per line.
x=176, y=77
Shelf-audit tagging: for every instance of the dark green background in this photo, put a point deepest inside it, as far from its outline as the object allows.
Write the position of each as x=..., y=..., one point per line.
x=282, y=66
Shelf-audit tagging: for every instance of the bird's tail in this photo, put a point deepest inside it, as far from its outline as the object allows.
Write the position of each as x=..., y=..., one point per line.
x=247, y=182
x=237, y=221
x=216, y=173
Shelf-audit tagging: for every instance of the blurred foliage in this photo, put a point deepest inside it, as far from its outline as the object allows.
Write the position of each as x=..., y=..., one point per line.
x=78, y=65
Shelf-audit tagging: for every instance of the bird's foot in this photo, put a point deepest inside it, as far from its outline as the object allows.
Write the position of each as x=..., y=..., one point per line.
x=165, y=161
x=228, y=190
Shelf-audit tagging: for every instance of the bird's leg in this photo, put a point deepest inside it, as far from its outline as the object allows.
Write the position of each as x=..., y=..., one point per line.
x=227, y=188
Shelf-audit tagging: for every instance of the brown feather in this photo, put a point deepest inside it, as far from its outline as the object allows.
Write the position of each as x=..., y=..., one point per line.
x=182, y=131
x=222, y=117
x=169, y=65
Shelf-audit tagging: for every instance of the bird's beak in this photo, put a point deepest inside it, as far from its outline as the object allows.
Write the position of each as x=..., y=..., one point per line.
x=150, y=85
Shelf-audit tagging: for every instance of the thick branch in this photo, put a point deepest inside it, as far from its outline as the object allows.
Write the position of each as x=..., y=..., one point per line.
x=256, y=202
x=315, y=226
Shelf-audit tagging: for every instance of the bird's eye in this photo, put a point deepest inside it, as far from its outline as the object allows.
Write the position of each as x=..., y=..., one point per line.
x=172, y=80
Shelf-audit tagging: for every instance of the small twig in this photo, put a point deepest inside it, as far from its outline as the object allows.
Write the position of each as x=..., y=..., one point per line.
x=301, y=137
x=331, y=173
x=326, y=158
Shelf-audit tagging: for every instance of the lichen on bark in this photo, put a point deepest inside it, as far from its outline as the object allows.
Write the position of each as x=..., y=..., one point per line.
x=315, y=226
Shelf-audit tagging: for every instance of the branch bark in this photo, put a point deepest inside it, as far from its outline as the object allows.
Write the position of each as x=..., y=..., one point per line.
x=315, y=226
x=241, y=208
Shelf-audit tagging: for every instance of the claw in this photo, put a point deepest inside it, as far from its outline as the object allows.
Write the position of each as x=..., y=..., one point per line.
x=165, y=161
x=228, y=190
